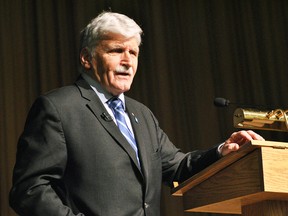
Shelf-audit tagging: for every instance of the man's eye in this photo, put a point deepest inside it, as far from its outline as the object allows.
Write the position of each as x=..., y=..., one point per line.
x=132, y=52
x=116, y=50
x=120, y=51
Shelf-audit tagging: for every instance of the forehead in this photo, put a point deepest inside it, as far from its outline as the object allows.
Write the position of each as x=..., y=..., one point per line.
x=116, y=40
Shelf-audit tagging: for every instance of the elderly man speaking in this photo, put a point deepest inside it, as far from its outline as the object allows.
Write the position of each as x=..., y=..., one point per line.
x=87, y=149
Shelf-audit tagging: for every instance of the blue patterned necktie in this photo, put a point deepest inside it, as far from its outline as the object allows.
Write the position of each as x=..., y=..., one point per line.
x=117, y=107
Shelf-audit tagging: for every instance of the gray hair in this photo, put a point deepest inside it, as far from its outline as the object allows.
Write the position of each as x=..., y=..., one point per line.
x=108, y=22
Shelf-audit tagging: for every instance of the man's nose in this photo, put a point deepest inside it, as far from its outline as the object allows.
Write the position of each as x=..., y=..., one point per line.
x=126, y=58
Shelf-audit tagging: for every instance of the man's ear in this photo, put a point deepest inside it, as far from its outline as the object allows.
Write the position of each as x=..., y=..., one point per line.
x=85, y=59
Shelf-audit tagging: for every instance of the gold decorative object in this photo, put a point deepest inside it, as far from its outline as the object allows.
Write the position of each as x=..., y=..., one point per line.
x=274, y=120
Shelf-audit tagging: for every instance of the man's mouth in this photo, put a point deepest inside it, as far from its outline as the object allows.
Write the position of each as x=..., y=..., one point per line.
x=122, y=73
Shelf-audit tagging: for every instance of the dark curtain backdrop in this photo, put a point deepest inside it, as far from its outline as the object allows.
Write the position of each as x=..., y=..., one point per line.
x=192, y=52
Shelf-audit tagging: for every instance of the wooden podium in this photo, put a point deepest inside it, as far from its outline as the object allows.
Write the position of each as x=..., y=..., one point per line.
x=252, y=181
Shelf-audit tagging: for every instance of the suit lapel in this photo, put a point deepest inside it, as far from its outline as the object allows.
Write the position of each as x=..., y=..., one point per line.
x=96, y=107
x=132, y=111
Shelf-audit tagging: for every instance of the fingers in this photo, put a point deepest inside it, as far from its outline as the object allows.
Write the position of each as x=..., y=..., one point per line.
x=228, y=148
x=239, y=138
x=232, y=147
x=243, y=136
x=255, y=136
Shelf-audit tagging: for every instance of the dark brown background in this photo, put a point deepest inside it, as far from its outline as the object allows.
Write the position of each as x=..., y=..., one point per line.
x=192, y=52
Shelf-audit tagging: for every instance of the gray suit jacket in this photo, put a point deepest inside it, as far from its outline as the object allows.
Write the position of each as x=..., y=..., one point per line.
x=73, y=160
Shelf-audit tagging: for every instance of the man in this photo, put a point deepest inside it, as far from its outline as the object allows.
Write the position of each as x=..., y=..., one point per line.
x=80, y=154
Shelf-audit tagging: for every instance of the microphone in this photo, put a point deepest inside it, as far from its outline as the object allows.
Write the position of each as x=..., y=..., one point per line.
x=221, y=102
x=106, y=117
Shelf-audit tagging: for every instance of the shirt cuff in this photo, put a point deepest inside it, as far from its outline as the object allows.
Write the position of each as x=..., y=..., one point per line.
x=219, y=150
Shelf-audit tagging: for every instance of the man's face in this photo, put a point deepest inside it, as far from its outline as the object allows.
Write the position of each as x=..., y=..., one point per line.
x=115, y=62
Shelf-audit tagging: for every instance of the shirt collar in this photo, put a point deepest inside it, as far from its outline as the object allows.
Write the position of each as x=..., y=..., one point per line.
x=103, y=95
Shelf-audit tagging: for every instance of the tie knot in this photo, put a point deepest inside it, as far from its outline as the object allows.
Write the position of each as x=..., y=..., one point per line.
x=116, y=103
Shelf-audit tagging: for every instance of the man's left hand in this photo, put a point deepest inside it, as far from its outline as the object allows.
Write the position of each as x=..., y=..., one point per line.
x=238, y=139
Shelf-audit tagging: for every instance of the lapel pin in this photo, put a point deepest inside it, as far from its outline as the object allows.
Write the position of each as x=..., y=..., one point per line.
x=136, y=120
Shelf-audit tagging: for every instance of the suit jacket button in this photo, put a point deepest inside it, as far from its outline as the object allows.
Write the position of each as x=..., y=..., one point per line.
x=146, y=205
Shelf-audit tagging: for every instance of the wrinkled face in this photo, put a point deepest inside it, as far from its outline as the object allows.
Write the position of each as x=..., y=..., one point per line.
x=114, y=63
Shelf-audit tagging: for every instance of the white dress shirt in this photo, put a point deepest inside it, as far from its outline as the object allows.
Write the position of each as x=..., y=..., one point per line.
x=105, y=97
